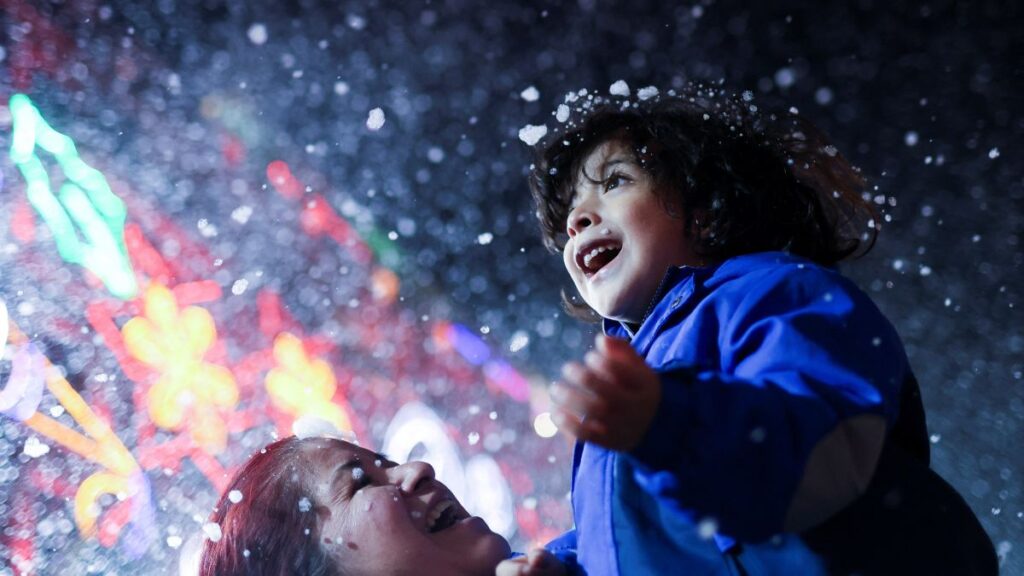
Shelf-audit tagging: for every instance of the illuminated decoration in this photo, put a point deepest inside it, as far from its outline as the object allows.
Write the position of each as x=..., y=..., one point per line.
x=121, y=476
x=24, y=389
x=491, y=493
x=21, y=395
x=319, y=218
x=281, y=178
x=85, y=200
x=174, y=343
x=304, y=386
x=384, y=285
x=417, y=433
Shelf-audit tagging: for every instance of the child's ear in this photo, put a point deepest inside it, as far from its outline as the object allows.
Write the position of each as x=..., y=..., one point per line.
x=700, y=224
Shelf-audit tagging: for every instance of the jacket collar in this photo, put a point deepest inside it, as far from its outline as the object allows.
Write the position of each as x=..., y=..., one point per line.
x=678, y=287
x=675, y=291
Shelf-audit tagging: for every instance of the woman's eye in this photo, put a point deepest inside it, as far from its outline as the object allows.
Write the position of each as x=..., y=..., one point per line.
x=359, y=480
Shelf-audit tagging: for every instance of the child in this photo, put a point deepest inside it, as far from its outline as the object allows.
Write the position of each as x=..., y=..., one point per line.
x=748, y=410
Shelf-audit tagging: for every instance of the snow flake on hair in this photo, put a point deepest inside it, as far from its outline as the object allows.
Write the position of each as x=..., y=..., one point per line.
x=306, y=427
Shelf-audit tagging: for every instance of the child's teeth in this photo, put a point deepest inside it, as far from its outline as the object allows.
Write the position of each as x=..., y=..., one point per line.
x=594, y=252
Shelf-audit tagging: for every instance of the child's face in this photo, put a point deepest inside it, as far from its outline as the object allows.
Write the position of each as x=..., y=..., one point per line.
x=621, y=239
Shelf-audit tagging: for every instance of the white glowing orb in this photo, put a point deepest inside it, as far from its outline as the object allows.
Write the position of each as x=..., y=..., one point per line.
x=544, y=426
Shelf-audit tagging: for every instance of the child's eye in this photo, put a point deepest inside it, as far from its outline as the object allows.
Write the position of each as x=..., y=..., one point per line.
x=614, y=181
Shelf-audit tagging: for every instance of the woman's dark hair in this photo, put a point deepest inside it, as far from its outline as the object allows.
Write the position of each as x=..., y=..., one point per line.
x=268, y=532
x=750, y=181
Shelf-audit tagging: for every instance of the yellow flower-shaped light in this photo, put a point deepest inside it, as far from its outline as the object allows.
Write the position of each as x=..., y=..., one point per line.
x=303, y=386
x=173, y=342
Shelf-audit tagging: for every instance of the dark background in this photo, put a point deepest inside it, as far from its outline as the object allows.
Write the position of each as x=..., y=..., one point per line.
x=924, y=96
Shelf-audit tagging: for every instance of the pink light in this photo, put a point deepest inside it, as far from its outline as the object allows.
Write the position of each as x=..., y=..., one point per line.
x=504, y=377
x=280, y=177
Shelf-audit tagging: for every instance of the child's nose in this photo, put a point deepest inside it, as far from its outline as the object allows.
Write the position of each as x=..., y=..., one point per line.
x=580, y=220
x=412, y=477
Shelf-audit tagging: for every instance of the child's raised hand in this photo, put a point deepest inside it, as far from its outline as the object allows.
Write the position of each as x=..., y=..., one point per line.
x=538, y=562
x=610, y=399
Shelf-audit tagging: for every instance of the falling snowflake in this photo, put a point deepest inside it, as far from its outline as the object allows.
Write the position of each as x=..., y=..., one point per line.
x=530, y=94
x=375, y=121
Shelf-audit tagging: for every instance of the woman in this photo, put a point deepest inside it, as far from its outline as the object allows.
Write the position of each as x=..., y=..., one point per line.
x=322, y=506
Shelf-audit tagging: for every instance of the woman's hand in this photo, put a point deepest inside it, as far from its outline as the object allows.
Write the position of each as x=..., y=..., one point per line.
x=610, y=399
x=539, y=562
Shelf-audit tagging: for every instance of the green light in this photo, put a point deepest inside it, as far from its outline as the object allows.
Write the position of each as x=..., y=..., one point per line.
x=85, y=200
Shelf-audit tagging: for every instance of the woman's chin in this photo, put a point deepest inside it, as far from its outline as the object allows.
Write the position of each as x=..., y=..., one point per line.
x=474, y=546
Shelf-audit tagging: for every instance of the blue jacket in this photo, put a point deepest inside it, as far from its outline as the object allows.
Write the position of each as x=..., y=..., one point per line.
x=790, y=439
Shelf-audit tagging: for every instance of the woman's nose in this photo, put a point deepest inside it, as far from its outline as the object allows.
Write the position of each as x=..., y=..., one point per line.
x=412, y=476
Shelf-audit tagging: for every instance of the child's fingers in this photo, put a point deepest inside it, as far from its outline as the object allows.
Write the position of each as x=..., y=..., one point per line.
x=566, y=422
x=609, y=381
x=600, y=364
x=613, y=346
x=621, y=362
x=581, y=428
x=585, y=378
x=541, y=561
x=578, y=400
x=511, y=567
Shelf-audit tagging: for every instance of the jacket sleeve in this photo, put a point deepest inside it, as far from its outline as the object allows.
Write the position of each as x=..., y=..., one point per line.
x=787, y=429
x=564, y=548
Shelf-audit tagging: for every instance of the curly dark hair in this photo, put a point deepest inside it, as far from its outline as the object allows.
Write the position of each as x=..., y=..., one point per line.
x=752, y=181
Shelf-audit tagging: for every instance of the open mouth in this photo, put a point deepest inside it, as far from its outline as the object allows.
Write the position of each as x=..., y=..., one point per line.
x=591, y=258
x=443, y=516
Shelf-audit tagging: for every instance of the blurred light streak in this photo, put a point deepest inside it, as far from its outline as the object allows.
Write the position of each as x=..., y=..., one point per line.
x=501, y=375
x=461, y=339
x=85, y=200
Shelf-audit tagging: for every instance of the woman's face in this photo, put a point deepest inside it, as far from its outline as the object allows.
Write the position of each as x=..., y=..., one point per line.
x=378, y=517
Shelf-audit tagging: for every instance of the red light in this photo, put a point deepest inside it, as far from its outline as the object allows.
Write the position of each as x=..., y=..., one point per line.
x=281, y=178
